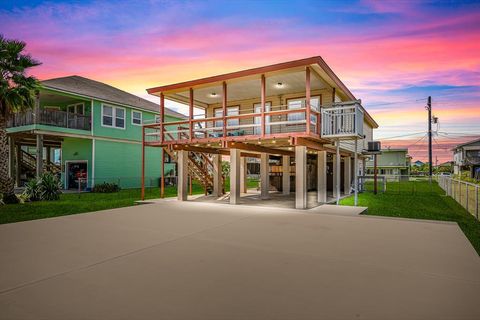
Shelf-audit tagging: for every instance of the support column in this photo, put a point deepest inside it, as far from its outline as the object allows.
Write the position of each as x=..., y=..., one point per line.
x=348, y=175
x=264, y=176
x=39, y=155
x=334, y=173
x=235, y=159
x=48, y=151
x=217, y=175
x=355, y=173
x=322, y=176
x=286, y=175
x=182, y=179
x=11, y=157
x=243, y=175
x=337, y=169
x=300, y=177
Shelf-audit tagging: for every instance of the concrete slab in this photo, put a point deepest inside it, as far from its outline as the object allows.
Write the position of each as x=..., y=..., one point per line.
x=187, y=260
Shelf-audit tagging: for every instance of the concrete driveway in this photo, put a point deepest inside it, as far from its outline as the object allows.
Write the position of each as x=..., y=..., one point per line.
x=173, y=260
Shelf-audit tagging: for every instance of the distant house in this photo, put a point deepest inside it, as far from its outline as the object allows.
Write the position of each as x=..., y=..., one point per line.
x=87, y=132
x=466, y=157
x=391, y=162
x=418, y=163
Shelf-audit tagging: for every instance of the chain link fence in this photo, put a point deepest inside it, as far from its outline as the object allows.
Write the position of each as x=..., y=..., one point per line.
x=397, y=184
x=465, y=193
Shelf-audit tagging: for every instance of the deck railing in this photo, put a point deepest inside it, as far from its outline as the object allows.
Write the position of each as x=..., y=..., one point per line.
x=48, y=117
x=343, y=121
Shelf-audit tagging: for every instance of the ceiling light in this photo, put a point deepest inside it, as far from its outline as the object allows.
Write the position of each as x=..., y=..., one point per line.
x=279, y=85
x=273, y=141
x=213, y=94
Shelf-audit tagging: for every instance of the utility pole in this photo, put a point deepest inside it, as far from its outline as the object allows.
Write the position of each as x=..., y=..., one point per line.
x=429, y=108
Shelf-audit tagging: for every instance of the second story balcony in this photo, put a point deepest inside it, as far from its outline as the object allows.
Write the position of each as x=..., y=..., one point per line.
x=49, y=117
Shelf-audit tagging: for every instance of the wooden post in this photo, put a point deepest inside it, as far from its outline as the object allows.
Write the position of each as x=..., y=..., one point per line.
x=143, y=164
x=162, y=116
x=307, y=99
x=39, y=155
x=224, y=108
x=190, y=115
x=319, y=117
x=355, y=172
x=333, y=95
x=11, y=157
x=162, y=183
x=262, y=102
x=190, y=186
x=337, y=169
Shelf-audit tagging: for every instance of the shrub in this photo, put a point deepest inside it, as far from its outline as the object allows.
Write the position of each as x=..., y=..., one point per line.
x=32, y=190
x=106, y=187
x=50, y=187
x=9, y=199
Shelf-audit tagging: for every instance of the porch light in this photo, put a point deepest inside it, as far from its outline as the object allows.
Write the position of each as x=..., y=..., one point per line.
x=259, y=142
x=274, y=141
x=279, y=85
x=213, y=94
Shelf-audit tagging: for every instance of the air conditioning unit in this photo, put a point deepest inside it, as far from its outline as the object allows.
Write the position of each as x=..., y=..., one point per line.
x=374, y=146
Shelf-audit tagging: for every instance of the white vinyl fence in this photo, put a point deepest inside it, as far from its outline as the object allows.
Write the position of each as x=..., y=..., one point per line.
x=465, y=193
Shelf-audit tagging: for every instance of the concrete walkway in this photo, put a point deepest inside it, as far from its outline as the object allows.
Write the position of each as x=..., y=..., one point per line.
x=174, y=260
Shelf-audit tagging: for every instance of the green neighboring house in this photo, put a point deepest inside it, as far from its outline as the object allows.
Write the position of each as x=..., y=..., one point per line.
x=391, y=162
x=87, y=132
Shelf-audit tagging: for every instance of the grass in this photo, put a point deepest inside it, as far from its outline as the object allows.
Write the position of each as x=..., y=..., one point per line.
x=419, y=200
x=73, y=203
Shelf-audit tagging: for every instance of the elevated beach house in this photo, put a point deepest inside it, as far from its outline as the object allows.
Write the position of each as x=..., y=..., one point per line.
x=87, y=132
x=298, y=114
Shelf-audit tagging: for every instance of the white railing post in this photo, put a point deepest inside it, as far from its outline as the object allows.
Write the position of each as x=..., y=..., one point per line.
x=466, y=205
x=476, y=202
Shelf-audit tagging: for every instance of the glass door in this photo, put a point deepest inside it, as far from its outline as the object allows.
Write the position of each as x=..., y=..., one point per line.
x=258, y=120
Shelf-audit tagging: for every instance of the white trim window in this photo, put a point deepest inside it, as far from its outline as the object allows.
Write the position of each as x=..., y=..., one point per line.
x=231, y=111
x=113, y=117
x=136, y=118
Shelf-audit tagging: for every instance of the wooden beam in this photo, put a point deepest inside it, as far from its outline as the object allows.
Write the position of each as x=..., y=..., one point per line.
x=199, y=149
x=190, y=113
x=308, y=143
x=262, y=102
x=162, y=116
x=257, y=148
x=307, y=99
x=224, y=107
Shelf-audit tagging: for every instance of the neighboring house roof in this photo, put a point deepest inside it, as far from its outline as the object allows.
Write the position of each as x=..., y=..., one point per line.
x=466, y=143
x=419, y=162
x=95, y=89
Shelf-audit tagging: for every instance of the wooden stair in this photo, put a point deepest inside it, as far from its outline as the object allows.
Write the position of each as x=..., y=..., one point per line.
x=200, y=168
x=28, y=163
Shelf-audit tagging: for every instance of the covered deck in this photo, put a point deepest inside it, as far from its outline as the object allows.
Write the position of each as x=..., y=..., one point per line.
x=287, y=110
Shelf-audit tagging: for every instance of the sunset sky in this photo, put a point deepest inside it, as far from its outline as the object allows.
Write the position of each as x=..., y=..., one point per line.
x=392, y=55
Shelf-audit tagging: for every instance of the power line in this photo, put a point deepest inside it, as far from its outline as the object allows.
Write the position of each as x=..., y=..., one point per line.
x=395, y=102
x=401, y=136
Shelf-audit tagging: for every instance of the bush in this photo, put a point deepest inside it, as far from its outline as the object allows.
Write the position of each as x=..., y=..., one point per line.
x=50, y=187
x=106, y=187
x=32, y=190
x=9, y=199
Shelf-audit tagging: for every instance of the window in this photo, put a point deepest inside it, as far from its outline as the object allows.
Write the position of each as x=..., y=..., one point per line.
x=119, y=118
x=76, y=108
x=231, y=111
x=299, y=104
x=157, y=118
x=258, y=120
x=136, y=117
x=113, y=117
x=107, y=117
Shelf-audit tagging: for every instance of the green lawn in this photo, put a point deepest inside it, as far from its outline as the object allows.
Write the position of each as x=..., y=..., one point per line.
x=419, y=200
x=73, y=203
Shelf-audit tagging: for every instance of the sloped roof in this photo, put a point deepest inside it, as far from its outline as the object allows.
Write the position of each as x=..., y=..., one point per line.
x=466, y=143
x=95, y=89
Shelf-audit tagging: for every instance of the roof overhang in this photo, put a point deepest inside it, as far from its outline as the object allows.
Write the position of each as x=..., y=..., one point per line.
x=317, y=64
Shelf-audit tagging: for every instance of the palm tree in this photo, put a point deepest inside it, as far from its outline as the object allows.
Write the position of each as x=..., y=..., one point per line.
x=17, y=93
